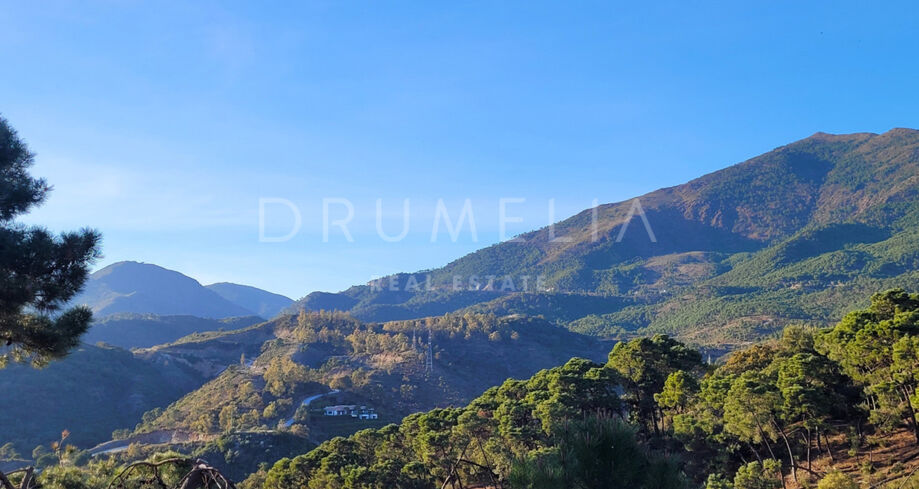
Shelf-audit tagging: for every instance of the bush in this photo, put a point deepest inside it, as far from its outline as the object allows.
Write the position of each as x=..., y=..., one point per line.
x=717, y=481
x=759, y=476
x=837, y=480
x=597, y=452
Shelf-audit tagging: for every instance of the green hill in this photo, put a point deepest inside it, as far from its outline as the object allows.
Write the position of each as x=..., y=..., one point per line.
x=380, y=364
x=812, y=408
x=826, y=408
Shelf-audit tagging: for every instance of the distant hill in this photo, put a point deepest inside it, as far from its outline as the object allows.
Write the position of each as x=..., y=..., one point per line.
x=98, y=389
x=802, y=233
x=261, y=302
x=131, y=330
x=91, y=392
x=132, y=287
x=291, y=358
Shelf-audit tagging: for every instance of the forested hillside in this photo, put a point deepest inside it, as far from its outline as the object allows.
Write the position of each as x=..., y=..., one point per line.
x=832, y=408
x=380, y=364
x=825, y=406
x=771, y=262
x=255, y=378
x=804, y=232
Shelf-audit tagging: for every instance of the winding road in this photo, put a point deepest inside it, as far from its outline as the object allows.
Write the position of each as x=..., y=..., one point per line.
x=308, y=400
x=165, y=436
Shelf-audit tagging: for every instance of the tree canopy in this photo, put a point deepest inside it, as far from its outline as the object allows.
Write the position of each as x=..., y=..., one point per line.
x=39, y=271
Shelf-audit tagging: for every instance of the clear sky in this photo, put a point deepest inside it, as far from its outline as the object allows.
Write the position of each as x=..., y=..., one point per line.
x=162, y=124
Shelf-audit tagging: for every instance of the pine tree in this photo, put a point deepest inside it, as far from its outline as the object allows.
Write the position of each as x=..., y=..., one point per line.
x=39, y=271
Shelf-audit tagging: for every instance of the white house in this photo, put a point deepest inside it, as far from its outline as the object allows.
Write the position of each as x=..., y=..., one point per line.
x=339, y=410
x=353, y=410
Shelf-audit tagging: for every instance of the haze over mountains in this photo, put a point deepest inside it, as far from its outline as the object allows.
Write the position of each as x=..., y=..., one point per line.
x=260, y=302
x=130, y=330
x=132, y=287
x=141, y=305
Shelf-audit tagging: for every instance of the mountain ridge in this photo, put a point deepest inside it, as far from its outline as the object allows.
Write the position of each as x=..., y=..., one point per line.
x=265, y=304
x=134, y=287
x=145, y=288
x=133, y=330
x=703, y=229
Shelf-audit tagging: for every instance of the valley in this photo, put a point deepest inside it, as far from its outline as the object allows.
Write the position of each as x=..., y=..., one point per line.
x=242, y=375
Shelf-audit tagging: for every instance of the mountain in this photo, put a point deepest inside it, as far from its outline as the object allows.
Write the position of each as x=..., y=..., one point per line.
x=261, y=302
x=802, y=233
x=143, y=288
x=131, y=330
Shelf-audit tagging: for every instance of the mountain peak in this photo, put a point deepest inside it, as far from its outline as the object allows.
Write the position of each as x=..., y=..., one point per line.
x=136, y=267
x=856, y=136
x=130, y=286
x=903, y=131
x=839, y=138
x=812, y=221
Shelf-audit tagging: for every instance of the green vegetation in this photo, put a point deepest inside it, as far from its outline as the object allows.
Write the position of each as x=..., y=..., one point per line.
x=476, y=443
x=789, y=411
x=39, y=272
x=879, y=349
x=161, y=470
x=766, y=259
x=260, y=374
x=785, y=403
x=378, y=364
x=597, y=453
x=837, y=480
x=236, y=454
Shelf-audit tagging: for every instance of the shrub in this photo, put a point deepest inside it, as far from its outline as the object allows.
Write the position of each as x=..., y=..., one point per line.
x=759, y=476
x=837, y=480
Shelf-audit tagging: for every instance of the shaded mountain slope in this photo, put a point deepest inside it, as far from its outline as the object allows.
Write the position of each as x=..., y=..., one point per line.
x=261, y=302
x=132, y=287
x=130, y=330
x=92, y=392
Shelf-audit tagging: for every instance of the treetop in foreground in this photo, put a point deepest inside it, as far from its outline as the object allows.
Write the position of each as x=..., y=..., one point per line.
x=39, y=271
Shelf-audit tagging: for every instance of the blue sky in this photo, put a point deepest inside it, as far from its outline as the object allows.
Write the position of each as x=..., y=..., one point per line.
x=162, y=124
